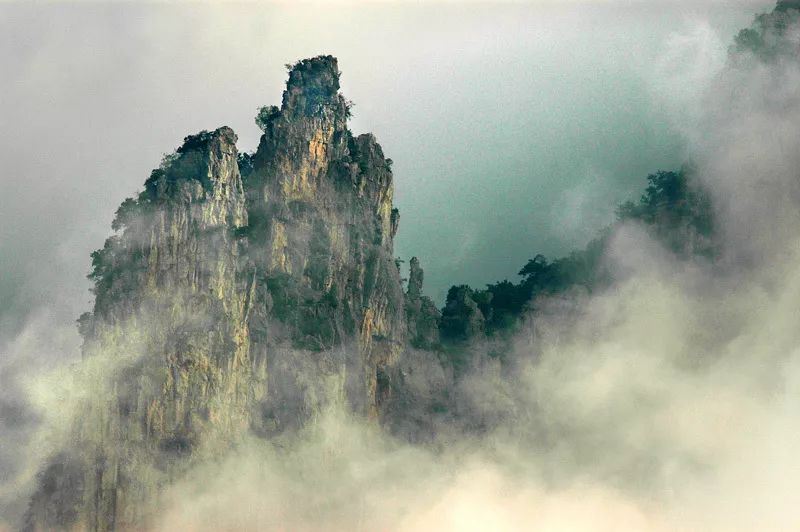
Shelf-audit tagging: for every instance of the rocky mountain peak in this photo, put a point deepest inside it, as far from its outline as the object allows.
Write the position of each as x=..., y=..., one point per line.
x=249, y=304
x=313, y=84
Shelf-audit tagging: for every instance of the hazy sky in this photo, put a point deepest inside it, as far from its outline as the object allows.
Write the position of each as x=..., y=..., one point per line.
x=514, y=128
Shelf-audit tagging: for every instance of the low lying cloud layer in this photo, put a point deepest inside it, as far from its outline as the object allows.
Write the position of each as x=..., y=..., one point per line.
x=668, y=402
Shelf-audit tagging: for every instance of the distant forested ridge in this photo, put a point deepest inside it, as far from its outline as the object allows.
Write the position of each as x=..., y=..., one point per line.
x=674, y=209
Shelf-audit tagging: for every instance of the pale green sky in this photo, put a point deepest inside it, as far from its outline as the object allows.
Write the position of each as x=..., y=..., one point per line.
x=515, y=128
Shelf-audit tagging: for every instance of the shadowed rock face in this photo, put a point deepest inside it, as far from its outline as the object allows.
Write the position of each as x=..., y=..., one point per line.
x=422, y=316
x=227, y=305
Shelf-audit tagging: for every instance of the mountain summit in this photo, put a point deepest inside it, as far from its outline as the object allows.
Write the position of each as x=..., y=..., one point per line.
x=243, y=294
x=239, y=295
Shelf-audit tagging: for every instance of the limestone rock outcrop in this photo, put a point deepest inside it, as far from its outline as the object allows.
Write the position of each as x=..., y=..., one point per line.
x=239, y=294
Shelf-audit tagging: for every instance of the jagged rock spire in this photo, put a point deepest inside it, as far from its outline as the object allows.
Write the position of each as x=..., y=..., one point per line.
x=320, y=202
x=313, y=83
x=249, y=304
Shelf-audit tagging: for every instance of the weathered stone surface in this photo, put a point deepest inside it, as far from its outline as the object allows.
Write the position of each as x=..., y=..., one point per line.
x=170, y=331
x=226, y=305
x=422, y=316
x=320, y=242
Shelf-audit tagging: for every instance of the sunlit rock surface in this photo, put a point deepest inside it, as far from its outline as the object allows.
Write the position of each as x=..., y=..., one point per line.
x=230, y=304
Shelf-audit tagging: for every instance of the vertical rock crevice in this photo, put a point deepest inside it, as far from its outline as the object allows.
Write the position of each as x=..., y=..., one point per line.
x=321, y=237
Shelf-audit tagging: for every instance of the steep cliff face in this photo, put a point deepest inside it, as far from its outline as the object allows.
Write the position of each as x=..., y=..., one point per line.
x=169, y=332
x=227, y=305
x=422, y=316
x=329, y=296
